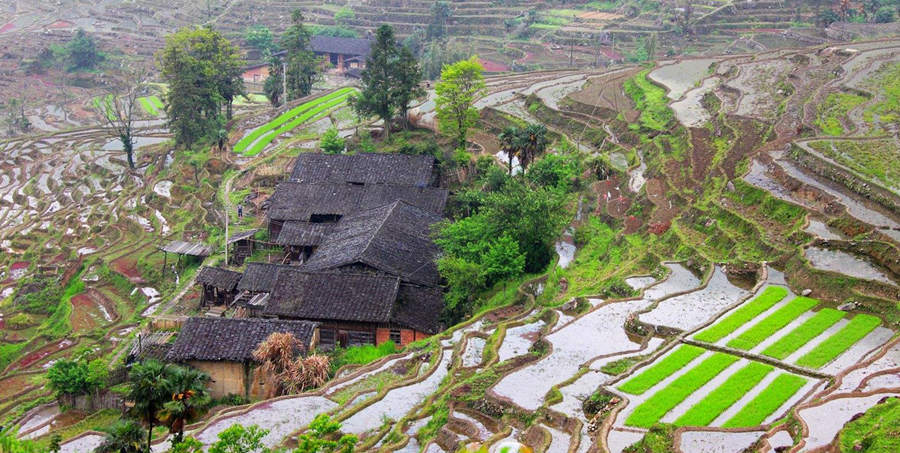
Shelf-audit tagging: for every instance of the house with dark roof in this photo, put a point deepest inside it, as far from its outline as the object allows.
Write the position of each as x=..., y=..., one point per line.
x=366, y=168
x=342, y=53
x=356, y=309
x=219, y=285
x=223, y=348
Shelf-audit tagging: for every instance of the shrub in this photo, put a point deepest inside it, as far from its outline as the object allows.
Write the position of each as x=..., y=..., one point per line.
x=361, y=355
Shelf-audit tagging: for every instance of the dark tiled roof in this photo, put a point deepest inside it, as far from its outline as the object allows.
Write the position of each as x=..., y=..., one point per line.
x=219, y=278
x=187, y=248
x=305, y=234
x=298, y=201
x=333, y=296
x=229, y=339
x=419, y=308
x=259, y=277
x=346, y=46
x=367, y=168
x=393, y=239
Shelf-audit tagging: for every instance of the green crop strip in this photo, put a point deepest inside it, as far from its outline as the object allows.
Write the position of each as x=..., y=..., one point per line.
x=798, y=337
x=828, y=350
x=276, y=124
x=742, y=315
x=264, y=141
x=650, y=100
x=103, y=105
x=773, y=323
x=735, y=387
x=666, y=399
x=661, y=370
x=769, y=400
x=151, y=104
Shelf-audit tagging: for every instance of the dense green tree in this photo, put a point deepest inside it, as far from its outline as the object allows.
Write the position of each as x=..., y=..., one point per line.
x=302, y=64
x=124, y=436
x=187, y=445
x=240, y=439
x=440, y=15
x=511, y=144
x=82, y=51
x=344, y=15
x=77, y=377
x=534, y=143
x=260, y=37
x=461, y=83
x=331, y=142
x=437, y=54
x=319, y=437
x=203, y=70
x=189, y=399
x=274, y=84
x=390, y=80
x=338, y=31
x=149, y=390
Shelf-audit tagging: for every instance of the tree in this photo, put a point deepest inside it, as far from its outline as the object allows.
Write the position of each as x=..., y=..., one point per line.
x=511, y=144
x=440, y=14
x=149, y=390
x=390, y=80
x=260, y=37
x=189, y=400
x=124, y=436
x=344, y=15
x=534, y=142
x=331, y=142
x=238, y=439
x=302, y=64
x=203, y=70
x=884, y=15
x=274, y=84
x=82, y=51
x=187, y=445
x=77, y=377
x=15, y=116
x=9, y=443
x=461, y=83
x=121, y=105
x=317, y=438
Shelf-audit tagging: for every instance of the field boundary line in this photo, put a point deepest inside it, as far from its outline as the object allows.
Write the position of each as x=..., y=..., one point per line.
x=759, y=358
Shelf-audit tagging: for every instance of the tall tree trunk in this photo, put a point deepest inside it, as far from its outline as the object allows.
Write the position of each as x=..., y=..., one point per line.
x=149, y=432
x=228, y=109
x=128, y=147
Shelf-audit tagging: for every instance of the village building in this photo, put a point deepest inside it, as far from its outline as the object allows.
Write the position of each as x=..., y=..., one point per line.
x=346, y=55
x=219, y=286
x=223, y=348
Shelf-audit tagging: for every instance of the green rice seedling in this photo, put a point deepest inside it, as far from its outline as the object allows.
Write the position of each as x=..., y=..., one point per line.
x=148, y=106
x=304, y=117
x=835, y=345
x=664, y=400
x=772, y=323
x=798, y=337
x=769, y=297
x=768, y=401
x=724, y=396
x=669, y=364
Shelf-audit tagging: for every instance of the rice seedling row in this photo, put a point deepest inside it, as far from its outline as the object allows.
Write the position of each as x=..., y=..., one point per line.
x=772, y=323
x=833, y=346
x=724, y=396
x=769, y=297
x=151, y=104
x=664, y=400
x=804, y=333
x=661, y=370
x=768, y=401
x=265, y=140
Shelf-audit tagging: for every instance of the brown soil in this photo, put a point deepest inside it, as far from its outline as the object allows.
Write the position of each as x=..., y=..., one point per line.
x=702, y=153
x=85, y=315
x=127, y=267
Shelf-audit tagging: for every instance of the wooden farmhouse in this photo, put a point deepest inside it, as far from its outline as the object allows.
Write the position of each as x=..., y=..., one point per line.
x=219, y=285
x=342, y=53
x=223, y=348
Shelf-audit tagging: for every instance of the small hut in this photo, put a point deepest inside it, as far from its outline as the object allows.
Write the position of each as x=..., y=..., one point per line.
x=241, y=246
x=182, y=248
x=219, y=285
x=223, y=348
x=300, y=239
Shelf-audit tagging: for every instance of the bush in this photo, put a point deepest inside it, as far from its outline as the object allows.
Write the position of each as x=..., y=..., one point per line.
x=361, y=355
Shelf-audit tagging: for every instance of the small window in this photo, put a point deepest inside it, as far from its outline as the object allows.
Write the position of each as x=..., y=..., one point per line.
x=324, y=218
x=395, y=336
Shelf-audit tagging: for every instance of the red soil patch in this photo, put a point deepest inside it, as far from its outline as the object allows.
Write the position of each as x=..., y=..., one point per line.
x=42, y=353
x=127, y=267
x=7, y=27
x=12, y=386
x=632, y=224
x=61, y=24
x=90, y=309
x=493, y=66
x=18, y=269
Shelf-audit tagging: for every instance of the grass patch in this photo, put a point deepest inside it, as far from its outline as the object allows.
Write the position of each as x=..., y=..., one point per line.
x=764, y=301
x=875, y=159
x=361, y=355
x=287, y=121
x=835, y=107
x=650, y=100
x=769, y=400
x=735, y=387
x=660, y=438
x=798, y=337
x=835, y=345
x=875, y=431
x=375, y=382
x=773, y=208
x=773, y=323
x=661, y=370
x=666, y=399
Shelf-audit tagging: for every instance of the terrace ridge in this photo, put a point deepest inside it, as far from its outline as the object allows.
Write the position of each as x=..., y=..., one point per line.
x=759, y=358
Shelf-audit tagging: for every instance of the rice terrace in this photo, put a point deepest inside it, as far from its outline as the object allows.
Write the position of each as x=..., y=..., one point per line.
x=450, y=226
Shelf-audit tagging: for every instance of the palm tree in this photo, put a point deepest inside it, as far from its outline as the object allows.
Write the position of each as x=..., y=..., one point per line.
x=149, y=392
x=535, y=137
x=189, y=399
x=122, y=437
x=511, y=144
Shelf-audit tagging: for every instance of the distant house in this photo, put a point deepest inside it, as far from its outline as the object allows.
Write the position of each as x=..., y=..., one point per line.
x=342, y=53
x=223, y=348
x=219, y=285
x=356, y=309
x=367, y=168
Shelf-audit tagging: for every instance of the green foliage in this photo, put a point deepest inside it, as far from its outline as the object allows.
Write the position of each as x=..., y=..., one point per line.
x=774, y=208
x=461, y=83
x=77, y=377
x=338, y=31
x=57, y=325
x=660, y=438
x=833, y=346
x=361, y=355
x=664, y=400
x=654, y=374
x=331, y=142
x=124, y=436
x=203, y=71
x=343, y=15
x=768, y=401
x=260, y=37
x=10, y=443
x=82, y=52
x=302, y=64
x=835, y=107
x=772, y=323
x=874, y=431
x=798, y=337
x=188, y=445
x=318, y=437
x=149, y=390
x=651, y=101
x=555, y=170
x=738, y=384
x=239, y=439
